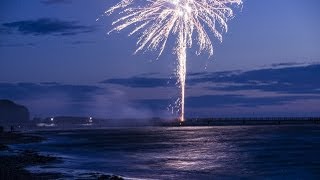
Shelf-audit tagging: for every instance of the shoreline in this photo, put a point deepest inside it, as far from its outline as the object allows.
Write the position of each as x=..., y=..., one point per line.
x=14, y=162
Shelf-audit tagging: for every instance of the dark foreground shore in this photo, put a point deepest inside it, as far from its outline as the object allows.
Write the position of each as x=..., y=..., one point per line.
x=14, y=162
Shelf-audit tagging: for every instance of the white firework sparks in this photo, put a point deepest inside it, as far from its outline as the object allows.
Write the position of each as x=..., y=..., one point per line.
x=157, y=20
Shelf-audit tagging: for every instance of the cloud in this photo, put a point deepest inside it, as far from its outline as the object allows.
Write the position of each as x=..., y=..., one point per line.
x=17, y=44
x=287, y=64
x=33, y=90
x=81, y=42
x=284, y=90
x=50, y=2
x=286, y=85
x=290, y=79
x=219, y=101
x=141, y=82
x=46, y=26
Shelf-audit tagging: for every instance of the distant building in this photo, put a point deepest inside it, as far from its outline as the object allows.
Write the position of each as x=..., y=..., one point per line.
x=68, y=120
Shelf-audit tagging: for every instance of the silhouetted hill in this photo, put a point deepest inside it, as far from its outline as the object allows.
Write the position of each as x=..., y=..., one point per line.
x=11, y=112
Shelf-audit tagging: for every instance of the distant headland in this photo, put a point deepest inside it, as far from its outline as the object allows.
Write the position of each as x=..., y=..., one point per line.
x=13, y=113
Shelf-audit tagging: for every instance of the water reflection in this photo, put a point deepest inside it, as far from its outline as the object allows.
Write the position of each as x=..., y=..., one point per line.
x=191, y=152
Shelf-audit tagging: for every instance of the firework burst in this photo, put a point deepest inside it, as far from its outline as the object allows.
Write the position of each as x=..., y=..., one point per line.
x=187, y=20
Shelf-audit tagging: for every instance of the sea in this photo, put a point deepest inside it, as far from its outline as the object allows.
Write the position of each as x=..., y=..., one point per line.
x=225, y=152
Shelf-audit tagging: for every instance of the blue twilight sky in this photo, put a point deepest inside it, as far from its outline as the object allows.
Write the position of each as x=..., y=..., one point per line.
x=58, y=60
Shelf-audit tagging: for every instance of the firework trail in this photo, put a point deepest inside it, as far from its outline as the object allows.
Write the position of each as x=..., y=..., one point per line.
x=157, y=20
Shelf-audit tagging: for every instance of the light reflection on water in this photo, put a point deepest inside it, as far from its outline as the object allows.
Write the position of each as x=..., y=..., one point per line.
x=191, y=152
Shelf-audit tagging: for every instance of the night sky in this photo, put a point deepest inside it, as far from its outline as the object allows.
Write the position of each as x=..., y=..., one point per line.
x=58, y=60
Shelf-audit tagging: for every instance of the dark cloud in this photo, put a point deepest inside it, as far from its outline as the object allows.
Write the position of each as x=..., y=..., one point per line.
x=141, y=82
x=81, y=42
x=293, y=79
x=4, y=30
x=220, y=101
x=17, y=44
x=284, y=80
x=32, y=90
x=50, y=83
x=46, y=26
x=50, y=2
x=291, y=75
x=286, y=64
x=242, y=101
x=287, y=85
